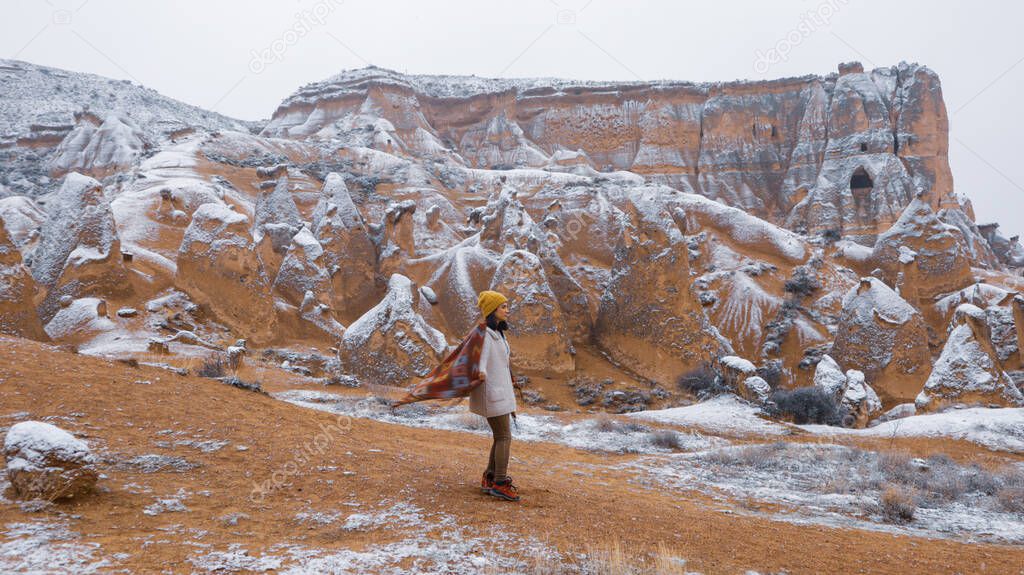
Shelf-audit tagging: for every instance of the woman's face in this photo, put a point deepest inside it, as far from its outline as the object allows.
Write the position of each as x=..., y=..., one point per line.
x=501, y=314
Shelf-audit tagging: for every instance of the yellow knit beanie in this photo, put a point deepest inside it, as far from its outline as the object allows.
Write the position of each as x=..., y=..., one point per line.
x=489, y=301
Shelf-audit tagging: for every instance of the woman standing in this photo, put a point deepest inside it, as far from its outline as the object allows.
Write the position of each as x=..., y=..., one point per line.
x=495, y=399
x=479, y=367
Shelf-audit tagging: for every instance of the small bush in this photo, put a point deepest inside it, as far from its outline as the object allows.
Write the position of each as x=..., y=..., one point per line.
x=806, y=405
x=212, y=367
x=897, y=505
x=831, y=236
x=608, y=424
x=771, y=372
x=895, y=467
x=702, y=382
x=665, y=438
x=803, y=283
x=1011, y=499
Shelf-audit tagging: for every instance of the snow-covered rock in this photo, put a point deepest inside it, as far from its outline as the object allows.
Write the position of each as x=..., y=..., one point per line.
x=899, y=412
x=80, y=320
x=22, y=218
x=647, y=319
x=17, y=292
x=350, y=256
x=968, y=371
x=539, y=332
x=392, y=343
x=1009, y=251
x=860, y=399
x=46, y=462
x=882, y=335
x=830, y=377
x=217, y=267
x=921, y=255
x=100, y=149
x=79, y=252
x=738, y=365
x=755, y=389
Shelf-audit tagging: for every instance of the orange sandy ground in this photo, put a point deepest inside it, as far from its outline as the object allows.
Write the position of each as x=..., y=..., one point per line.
x=437, y=470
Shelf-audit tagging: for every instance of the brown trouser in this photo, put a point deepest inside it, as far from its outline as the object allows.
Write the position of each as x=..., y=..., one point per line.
x=497, y=466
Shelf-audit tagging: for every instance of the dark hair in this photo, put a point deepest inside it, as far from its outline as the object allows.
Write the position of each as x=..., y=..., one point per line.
x=497, y=325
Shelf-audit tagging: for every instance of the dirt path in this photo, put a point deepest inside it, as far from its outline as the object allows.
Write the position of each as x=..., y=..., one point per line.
x=571, y=499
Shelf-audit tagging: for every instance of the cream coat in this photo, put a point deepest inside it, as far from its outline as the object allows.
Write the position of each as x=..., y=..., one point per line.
x=495, y=396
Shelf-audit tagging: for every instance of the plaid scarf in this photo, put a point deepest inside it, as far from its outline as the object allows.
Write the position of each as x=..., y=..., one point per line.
x=458, y=374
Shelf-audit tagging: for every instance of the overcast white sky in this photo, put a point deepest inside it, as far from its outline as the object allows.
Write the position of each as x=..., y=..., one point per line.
x=242, y=58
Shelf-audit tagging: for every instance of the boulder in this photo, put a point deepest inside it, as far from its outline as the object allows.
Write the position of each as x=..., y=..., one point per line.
x=860, y=399
x=392, y=343
x=735, y=369
x=882, y=335
x=849, y=390
x=218, y=268
x=81, y=320
x=830, y=377
x=46, y=462
x=755, y=389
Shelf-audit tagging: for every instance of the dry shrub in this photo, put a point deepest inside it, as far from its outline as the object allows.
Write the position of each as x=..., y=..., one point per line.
x=1011, y=499
x=212, y=366
x=665, y=438
x=897, y=505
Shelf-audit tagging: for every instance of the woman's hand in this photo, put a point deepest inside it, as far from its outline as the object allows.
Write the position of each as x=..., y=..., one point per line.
x=483, y=376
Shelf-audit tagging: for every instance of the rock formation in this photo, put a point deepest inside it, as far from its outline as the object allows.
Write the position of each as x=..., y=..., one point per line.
x=539, y=332
x=968, y=370
x=648, y=320
x=762, y=147
x=350, y=256
x=79, y=252
x=884, y=337
x=391, y=343
x=655, y=225
x=17, y=293
x=218, y=268
x=922, y=255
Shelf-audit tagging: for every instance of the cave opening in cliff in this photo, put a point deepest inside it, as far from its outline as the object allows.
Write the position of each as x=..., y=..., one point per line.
x=863, y=147
x=860, y=180
x=860, y=188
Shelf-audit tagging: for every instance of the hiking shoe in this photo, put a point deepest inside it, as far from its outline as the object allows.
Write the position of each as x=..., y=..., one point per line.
x=504, y=489
x=487, y=480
